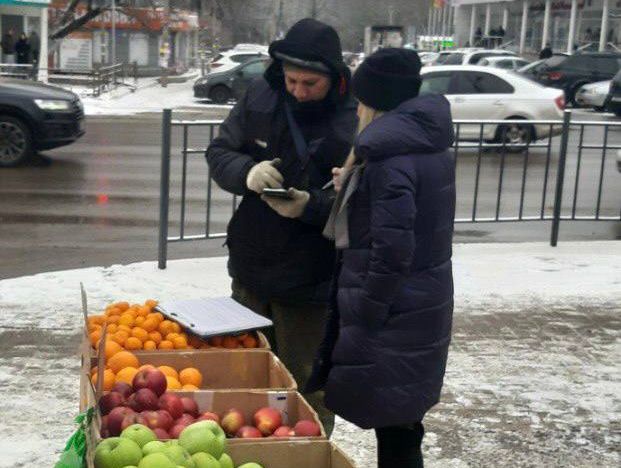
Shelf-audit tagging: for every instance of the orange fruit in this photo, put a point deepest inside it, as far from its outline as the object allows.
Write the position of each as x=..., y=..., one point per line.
x=189, y=388
x=96, y=320
x=169, y=371
x=155, y=336
x=113, y=311
x=124, y=328
x=191, y=375
x=158, y=316
x=112, y=328
x=113, y=319
x=165, y=344
x=127, y=319
x=176, y=327
x=250, y=342
x=144, y=311
x=165, y=327
x=93, y=371
x=172, y=383
x=180, y=342
x=126, y=375
x=140, y=333
x=139, y=321
x=108, y=382
x=133, y=343
x=150, y=303
x=149, y=324
x=94, y=337
x=111, y=348
x=122, y=306
x=123, y=359
x=149, y=345
x=120, y=337
x=230, y=342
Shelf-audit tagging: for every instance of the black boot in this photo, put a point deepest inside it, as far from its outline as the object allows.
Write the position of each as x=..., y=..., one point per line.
x=400, y=446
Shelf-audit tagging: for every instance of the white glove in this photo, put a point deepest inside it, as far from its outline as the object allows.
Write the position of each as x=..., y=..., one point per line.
x=292, y=208
x=264, y=175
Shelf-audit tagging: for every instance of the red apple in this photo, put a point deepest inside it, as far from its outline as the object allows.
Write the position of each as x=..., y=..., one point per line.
x=151, y=378
x=143, y=400
x=248, y=432
x=109, y=401
x=128, y=420
x=232, y=421
x=123, y=388
x=209, y=416
x=166, y=420
x=284, y=431
x=306, y=428
x=104, y=425
x=190, y=406
x=267, y=420
x=185, y=419
x=176, y=430
x=161, y=433
x=115, y=419
x=171, y=403
x=153, y=420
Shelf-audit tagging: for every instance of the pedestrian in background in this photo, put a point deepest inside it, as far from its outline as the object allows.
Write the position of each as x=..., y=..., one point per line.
x=288, y=131
x=35, y=46
x=383, y=358
x=546, y=52
x=22, y=49
x=8, y=47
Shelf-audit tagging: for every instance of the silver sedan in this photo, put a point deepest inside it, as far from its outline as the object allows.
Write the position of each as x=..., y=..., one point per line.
x=593, y=95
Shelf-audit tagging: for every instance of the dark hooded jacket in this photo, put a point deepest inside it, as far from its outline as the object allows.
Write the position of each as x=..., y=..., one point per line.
x=394, y=295
x=272, y=256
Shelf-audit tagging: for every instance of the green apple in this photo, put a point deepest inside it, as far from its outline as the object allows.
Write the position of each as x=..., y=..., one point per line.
x=156, y=460
x=130, y=466
x=204, y=436
x=117, y=452
x=250, y=465
x=178, y=455
x=226, y=461
x=139, y=434
x=205, y=460
x=155, y=446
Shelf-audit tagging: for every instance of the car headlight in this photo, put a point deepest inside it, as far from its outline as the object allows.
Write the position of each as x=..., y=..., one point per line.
x=202, y=81
x=53, y=104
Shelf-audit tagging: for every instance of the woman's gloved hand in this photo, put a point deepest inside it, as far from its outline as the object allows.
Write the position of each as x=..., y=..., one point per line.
x=292, y=208
x=264, y=175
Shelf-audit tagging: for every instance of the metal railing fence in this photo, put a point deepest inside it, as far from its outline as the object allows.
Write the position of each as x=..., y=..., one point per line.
x=559, y=170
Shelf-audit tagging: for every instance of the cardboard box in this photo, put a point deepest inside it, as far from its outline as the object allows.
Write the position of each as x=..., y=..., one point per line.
x=291, y=404
x=312, y=454
x=228, y=369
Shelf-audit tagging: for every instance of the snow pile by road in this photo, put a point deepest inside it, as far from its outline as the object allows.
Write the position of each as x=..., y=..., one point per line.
x=534, y=351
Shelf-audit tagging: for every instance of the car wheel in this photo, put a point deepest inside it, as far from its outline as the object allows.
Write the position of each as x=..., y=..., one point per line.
x=220, y=94
x=572, y=94
x=15, y=141
x=515, y=136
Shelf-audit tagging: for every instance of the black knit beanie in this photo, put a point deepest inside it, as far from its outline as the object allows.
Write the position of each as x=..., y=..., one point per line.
x=387, y=78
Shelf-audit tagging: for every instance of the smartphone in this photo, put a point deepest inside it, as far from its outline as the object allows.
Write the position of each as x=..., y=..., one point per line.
x=277, y=193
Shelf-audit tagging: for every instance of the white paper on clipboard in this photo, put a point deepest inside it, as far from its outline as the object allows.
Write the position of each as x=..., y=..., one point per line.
x=213, y=316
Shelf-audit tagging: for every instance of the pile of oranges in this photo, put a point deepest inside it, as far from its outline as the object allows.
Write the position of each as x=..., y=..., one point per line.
x=139, y=327
x=122, y=366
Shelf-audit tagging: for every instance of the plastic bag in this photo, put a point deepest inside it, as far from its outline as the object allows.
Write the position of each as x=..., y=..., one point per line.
x=74, y=454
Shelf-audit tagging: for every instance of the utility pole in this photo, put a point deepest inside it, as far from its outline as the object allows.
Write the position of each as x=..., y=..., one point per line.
x=113, y=32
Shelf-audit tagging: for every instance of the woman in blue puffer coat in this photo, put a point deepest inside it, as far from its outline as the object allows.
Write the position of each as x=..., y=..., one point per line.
x=383, y=360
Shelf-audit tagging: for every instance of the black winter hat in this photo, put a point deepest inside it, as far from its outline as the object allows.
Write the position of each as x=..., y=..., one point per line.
x=387, y=78
x=313, y=45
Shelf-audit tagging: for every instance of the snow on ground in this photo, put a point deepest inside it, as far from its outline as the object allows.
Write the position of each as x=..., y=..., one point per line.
x=533, y=377
x=150, y=96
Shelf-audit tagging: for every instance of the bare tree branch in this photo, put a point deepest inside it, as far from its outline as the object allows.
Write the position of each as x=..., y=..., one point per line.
x=76, y=24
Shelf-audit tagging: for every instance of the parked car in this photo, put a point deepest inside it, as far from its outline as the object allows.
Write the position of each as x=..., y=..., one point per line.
x=570, y=73
x=231, y=84
x=428, y=57
x=504, y=62
x=594, y=95
x=226, y=61
x=469, y=56
x=613, y=101
x=35, y=117
x=485, y=93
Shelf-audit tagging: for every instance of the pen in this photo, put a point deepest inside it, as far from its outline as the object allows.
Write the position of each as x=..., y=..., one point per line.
x=328, y=185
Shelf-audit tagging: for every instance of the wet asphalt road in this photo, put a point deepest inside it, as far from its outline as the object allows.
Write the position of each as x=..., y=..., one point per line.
x=97, y=203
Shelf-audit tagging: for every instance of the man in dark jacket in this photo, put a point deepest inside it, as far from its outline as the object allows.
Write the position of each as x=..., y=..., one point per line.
x=291, y=128
x=546, y=52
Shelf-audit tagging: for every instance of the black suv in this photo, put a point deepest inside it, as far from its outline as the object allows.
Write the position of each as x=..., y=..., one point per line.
x=613, y=100
x=569, y=73
x=35, y=116
x=230, y=84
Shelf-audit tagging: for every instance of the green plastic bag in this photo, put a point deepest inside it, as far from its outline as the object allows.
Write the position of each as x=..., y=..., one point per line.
x=74, y=455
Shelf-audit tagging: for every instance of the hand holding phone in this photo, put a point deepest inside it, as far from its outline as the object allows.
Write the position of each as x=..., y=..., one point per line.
x=281, y=193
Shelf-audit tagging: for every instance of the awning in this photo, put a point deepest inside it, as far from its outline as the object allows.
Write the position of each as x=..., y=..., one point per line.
x=31, y=3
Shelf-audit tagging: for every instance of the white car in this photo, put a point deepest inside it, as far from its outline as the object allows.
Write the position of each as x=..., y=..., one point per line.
x=469, y=56
x=228, y=60
x=485, y=93
x=594, y=95
x=504, y=62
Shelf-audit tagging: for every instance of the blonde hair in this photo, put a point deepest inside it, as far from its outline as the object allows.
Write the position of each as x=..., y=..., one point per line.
x=366, y=115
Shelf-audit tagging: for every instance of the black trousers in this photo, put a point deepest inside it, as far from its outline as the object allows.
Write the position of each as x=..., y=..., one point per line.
x=400, y=446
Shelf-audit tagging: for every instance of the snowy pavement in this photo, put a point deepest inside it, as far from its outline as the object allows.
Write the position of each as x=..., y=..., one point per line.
x=533, y=376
